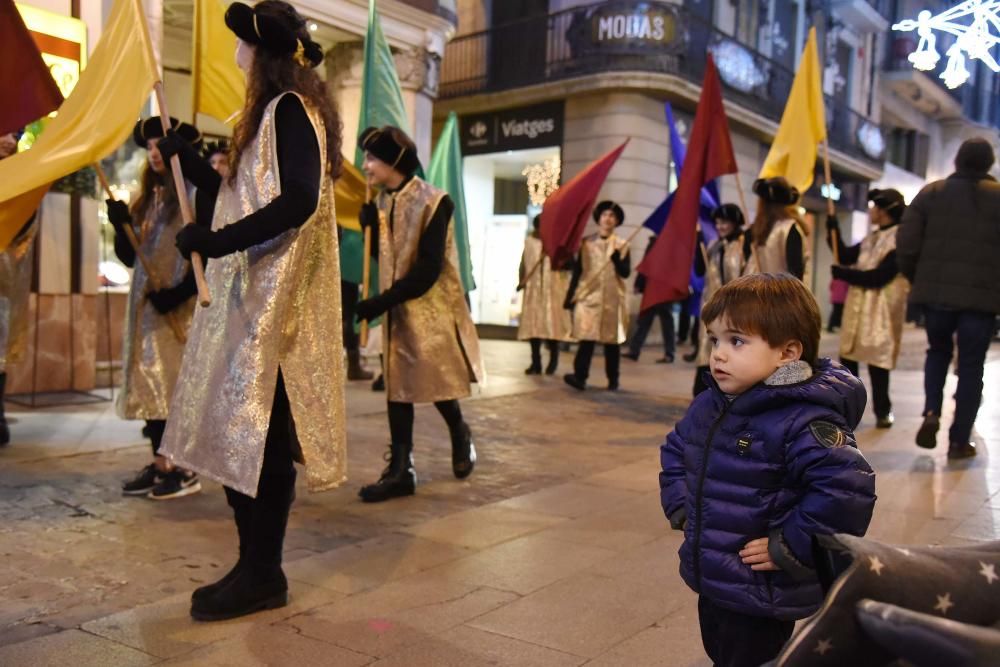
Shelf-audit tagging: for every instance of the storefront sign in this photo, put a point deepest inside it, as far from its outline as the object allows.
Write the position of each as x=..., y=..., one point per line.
x=513, y=129
x=633, y=24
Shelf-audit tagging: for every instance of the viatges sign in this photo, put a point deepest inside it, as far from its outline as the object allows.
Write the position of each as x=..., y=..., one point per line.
x=642, y=24
x=513, y=129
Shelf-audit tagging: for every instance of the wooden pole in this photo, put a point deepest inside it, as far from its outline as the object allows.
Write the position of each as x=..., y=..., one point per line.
x=366, y=265
x=746, y=216
x=830, y=208
x=590, y=284
x=529, y=274
x=175, y=326
x=204, y=298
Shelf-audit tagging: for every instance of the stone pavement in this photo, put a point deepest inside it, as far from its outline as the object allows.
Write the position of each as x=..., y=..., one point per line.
x=555, y=552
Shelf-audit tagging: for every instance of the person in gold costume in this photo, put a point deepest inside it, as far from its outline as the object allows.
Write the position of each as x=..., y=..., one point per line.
x=15, y=285
x=156, y=321
x=430, y=347
x=262, y=382
x=543, y=317
x=597, y=296
x=727, y=259
x=872, y=325
x=779, y=239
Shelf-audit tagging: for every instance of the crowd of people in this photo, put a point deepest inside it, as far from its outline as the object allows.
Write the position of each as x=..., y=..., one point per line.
x=763, y=463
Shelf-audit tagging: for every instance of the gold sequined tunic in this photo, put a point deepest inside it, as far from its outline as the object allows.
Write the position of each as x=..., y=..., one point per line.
x=15, y=287
x=275, y=304
x=542, y=312
x=726, y=262
x=873, y=318
x=601, y=312
x=771, y=257
x=431, y=349
x=152, y=352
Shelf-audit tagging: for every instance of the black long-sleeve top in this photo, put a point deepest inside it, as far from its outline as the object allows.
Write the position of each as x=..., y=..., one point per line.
x=426, y=269
x=794, y=258
x=876, y=278
x=699, y=257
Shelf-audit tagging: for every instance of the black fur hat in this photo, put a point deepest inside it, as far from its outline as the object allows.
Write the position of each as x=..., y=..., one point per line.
x=889, y=200
x=608, y=205
x=213, y=147
x=275, y=26
x=776, y=190
x=730, y=213
x=380, y=143
x=152, y=128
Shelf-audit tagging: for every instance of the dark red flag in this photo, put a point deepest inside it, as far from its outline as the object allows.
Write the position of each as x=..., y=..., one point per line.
x=567, y=210
x=29, y=92
x=667, y=265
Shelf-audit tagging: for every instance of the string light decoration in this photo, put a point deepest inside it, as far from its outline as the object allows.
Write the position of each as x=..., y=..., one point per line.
x=543, y=179
x=976, y=27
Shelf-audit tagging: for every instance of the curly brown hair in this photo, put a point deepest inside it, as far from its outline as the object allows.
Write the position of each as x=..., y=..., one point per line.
x=271, y=75
x=149, y=181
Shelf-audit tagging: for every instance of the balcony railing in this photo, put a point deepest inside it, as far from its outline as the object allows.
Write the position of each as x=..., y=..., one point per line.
x=569, y=44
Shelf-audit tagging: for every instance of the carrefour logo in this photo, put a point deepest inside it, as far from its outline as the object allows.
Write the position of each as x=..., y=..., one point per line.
x=478, y=129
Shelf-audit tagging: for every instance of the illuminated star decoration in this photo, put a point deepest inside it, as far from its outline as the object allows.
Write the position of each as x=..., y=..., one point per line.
x=976, y=27
x=944, y=603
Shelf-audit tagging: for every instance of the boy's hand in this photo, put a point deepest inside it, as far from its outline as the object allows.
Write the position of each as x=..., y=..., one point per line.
x=755, y=554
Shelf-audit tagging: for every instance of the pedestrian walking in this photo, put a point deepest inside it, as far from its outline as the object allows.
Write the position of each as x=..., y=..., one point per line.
x=543, y=318
x=662, y=311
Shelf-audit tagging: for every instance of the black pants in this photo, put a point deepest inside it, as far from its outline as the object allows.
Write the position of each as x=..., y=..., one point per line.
x=536, y=352
x=836, y=316
x=732, y=639
x=584, y=354
x=684, y=320
x=664, y=311
x=266, y=516
x=401, y=420
x=155, y=428
x=880, y=385
x=348, y=301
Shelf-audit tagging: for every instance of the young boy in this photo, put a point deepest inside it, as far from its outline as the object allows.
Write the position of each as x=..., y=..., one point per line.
x=761, y=462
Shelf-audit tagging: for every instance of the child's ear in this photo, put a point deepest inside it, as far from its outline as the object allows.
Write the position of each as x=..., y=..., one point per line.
x=791, y=351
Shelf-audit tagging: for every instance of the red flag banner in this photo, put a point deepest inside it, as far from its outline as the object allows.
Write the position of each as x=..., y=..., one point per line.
x=566, y=211
x=667, y=265
x=29, y=91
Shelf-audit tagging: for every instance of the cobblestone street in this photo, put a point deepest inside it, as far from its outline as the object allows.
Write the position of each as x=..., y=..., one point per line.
x=555, y=552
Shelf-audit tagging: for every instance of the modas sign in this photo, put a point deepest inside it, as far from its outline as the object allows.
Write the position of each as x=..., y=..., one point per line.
x=633, y=24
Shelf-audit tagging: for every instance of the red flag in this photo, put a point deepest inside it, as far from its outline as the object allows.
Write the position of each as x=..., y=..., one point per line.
x=28, y=88
x=667, y=265
x=566, y=211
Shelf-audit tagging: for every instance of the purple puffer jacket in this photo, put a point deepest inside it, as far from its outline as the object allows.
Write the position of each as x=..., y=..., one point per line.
x=778, y=462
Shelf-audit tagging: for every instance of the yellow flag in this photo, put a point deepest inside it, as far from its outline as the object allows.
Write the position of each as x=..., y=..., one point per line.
x=803, y=124
x=219, y=85
x=349, y=195
x=93, y=121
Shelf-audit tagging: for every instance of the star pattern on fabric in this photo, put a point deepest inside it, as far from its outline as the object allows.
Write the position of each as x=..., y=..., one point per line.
x=823, y=646
x=876, y=565
x=944, y=603
x=989, y=571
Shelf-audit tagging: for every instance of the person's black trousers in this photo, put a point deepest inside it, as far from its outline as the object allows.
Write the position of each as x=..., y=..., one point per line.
x=155, y=428
x=836, y=316
x=585, y=353
x=880, y=385
x=536, y=352
x=348, y=302
x=401, y=420
x=732, y=639
x=664, y=311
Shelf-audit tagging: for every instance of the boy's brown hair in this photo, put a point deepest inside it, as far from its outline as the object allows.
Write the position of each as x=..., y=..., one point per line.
x=775, y=306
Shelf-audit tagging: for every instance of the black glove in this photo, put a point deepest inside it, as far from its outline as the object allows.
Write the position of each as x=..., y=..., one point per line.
x=199, y=239
x=167, y=299
x=118, y=214
x=368, y=216
x=832, y=223
x=838, y=272
x=170, y=145
x=369, y=309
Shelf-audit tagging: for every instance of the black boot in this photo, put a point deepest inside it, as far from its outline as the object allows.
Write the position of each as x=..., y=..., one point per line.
x=355, y=371
x=398, y=479
x=572, y=380
x=553, y=358
x=463, y=453
x=260, y=583
x=4, y=429
x=379, y=383
x=241, y=514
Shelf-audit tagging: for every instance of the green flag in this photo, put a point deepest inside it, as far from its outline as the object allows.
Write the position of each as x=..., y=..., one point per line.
x=381, y=104
x=445, y=171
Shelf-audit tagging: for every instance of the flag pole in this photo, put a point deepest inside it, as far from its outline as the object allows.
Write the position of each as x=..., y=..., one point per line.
x=529, y=274
x=366, y=265
x=588, y=287
x=746, y=216
x=175, y=326
x=204, y=298
x=831, y=210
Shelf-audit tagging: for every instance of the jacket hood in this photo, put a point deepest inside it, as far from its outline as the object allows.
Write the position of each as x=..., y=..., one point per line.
x=832, y=387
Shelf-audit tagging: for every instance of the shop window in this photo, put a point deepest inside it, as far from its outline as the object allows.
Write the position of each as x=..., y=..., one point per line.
x=510, y=196
x=908, y=149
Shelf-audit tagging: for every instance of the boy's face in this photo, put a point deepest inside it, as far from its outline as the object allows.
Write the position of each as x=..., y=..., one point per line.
x=606, y=223
x=379, y=173
x=741, y=359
